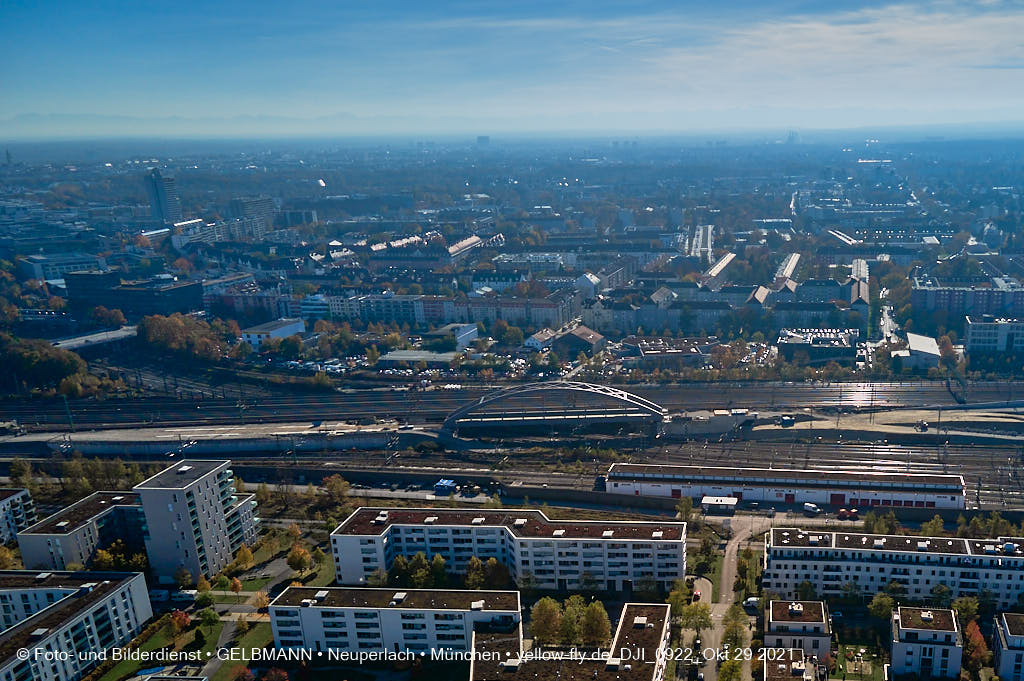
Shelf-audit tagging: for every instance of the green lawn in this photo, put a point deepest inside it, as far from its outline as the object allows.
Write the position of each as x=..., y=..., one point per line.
x=258, y=637
x=255, y=584
x=160, y=640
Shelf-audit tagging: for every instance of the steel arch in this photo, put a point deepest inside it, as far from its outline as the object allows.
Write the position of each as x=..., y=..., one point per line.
x=549, y=386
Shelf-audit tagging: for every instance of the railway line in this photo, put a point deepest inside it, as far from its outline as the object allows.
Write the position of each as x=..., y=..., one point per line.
x=434, y=405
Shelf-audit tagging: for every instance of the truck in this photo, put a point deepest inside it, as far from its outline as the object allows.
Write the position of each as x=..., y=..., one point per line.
x=811, y=509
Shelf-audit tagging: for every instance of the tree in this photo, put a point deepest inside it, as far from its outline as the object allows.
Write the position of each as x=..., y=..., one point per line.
x=262, y=600
x=976, y=653
x=438, y=571
x=399, y=574
x=881, y=606
x=177, y=623
x=243, y=557
x=299, y=559
x=495, y=574
x=805, y=591
x=731, y=670
x=337, y=489
x=21, y=473
x=476, y=576
x=262, y=493
x=242, y=626
x=696, y=616
x=242, y=673
x=942, y=595
x=934, y=527
x=546, y=621
x=208, y=618
x=6, y=558
x=275, y=674
x=966, y=608
x=595, y=626
x=183, y=578
x=294, y=532
x=203, y=584
x=685, y=508
x=318, y=556
x=379, y=578
x=572, y=620
x=236, y=587
x=103, y=560
x=204, y=600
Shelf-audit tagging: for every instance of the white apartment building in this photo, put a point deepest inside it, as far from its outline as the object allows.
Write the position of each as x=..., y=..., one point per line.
x=870, y=562
x=775, y=485
x=926, y=642
x=1008, y=646
x=799, y=624
x=17, y=511
x=638, y=652
x=551, y=554
x=353, y=619
x=78, y=613
x=196, y=520
x=72, y=536
x=991, y=334
x=278, y=328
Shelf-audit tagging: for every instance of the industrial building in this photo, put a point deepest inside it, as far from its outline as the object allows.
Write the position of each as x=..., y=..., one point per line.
x=776, y=485
x=278, y=328
x=549, y=554
x=926, y=643
x=840, y=563
x=81, y=614
x=354, y=619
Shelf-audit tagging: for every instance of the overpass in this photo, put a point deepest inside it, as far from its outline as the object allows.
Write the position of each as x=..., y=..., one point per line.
x=557, y=405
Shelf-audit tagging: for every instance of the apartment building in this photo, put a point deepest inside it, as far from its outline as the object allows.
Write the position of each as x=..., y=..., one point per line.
x=353, y=619
x=17, y=511
x=798, y=624
x=187, y=516
x=196, y=520
x=56, y=265
x=639, y=652
x=989, y=334
x=868, y=563
x=72, y=536
x=926, y=642
x=793, y=486
x=79, y=614
x=552, y=554
x=1008, y=646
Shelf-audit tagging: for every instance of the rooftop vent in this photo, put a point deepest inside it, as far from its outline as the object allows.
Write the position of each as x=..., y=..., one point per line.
x=43, y=576
x=990, y=548
x=797, y=668
x=476, y=605
x=183, y=469
x=608, y=534
x=639, y=622
x=62, y=523
x=512, y=663
x=927, y=616
x=879, y=543
x=796, y=608
x=1009, y=547
x=520, y=522
x=558, y=533
x=430, y=519
x=39, y=633
x=612, y=664
x=321, y=595
x=478, y=521
x=923, y=545
x=657, y=534
x=117, y=498
x=399, y=597
x=812, y=539
x=86, y=588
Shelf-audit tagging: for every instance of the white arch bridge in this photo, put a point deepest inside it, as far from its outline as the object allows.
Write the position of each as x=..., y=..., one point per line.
x=557, y=405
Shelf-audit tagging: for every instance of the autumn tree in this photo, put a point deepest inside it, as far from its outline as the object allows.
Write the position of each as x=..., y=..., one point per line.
x=236, y=587
x=546, y=621
x=299, y=559
x=976, y=652
x=595, y=627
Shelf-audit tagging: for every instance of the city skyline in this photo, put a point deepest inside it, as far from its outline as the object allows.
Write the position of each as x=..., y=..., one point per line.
x=652, y=66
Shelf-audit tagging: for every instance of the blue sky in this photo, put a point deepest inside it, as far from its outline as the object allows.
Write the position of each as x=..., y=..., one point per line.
x=515, y=66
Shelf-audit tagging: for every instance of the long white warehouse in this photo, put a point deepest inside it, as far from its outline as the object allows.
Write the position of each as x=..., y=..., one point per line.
x=774, y=485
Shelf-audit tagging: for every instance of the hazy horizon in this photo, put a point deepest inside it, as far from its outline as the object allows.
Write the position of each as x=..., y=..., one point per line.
x=648, y=67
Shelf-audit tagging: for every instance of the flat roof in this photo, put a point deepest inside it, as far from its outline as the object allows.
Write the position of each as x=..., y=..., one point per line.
x=783, y=611
x=413, y=599
x=718, y=501
x=778, y=664
x=273, y=325
x=81, y=512
x=805, y=477
x=60, y=612
x=182, y=474
x=914, y=618
x=1012, y=547
x=521, y=522
x=8, y=492
x=1014, y=623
